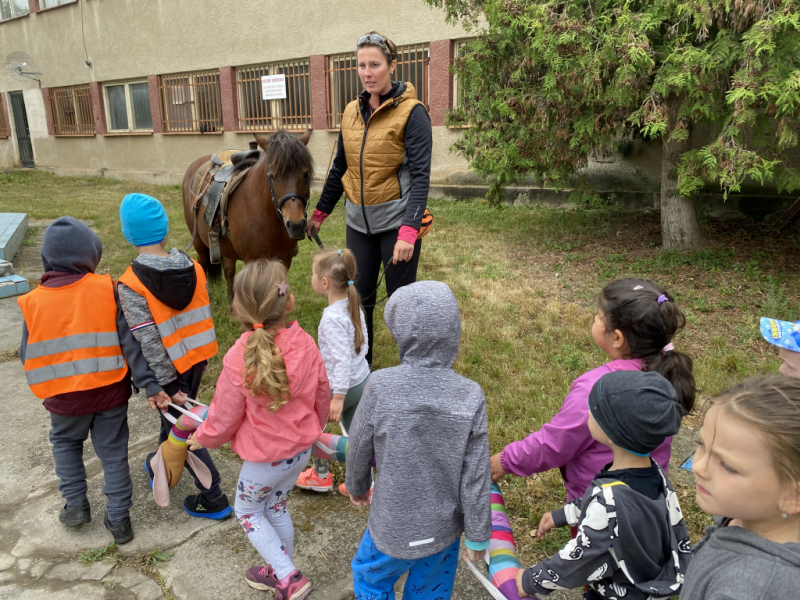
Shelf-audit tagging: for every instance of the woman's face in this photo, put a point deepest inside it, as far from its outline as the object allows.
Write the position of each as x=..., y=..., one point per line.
x=374, y=70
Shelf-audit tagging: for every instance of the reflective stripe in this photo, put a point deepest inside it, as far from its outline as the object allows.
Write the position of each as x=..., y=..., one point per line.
x=181, y=348
x=170, y=326
x=75, y=367
x=71, y=342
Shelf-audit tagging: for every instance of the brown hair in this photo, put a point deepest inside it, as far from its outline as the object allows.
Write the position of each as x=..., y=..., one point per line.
x=648, y=317
x=771, y=405
x=388, y=49
x=258, y=300
x=339, y=266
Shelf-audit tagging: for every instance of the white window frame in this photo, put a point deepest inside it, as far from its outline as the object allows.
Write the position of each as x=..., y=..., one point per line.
x=128, y=106
x=58, y=3
x=14, y=14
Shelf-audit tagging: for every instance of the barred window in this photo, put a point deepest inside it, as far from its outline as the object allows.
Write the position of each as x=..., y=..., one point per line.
x=10, y=9
x=292, y=112
x=128, y=106
x=71, y=108
x=191, y=102
x=3, y=124
x=460, y=51
x=344, y=84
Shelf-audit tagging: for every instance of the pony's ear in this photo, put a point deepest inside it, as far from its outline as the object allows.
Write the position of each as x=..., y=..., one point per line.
x=306, y=136
x=262, y=141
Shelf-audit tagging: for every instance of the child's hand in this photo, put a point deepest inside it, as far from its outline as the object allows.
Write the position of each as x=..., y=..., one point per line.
x=337, y=403
x=475, y=555
x=159, y=401
x=179, y=399
x=546, y=525
x=520, y=591
x=362, y=500
x=497, y=468
x=192, y=442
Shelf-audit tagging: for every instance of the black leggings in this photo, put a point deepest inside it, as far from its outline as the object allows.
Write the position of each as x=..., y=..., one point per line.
x=370, y=252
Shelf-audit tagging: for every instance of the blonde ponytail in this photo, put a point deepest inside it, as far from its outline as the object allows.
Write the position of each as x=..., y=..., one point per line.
x=259, y=303
x=339, y=267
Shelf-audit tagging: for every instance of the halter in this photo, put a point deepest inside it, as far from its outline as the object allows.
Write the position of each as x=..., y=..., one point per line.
x=279, y=203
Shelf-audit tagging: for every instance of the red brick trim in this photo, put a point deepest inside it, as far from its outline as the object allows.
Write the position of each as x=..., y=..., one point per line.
x=230, y=98
x=155, y=103
x=319, y=92
x=48, y=111
x=4, y=109
x=98, y=107
x=441, y=90
x=33, y=6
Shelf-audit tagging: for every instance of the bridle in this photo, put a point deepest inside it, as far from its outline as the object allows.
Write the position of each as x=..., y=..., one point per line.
x=279, y=203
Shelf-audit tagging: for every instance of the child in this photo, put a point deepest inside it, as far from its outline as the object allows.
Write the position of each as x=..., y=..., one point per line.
x=634, y=325
x=79, y=357
x=632, y=541
x=165, y=300
x=785, y=335
x=343, y=344
x=271, y=403
x=747, y=468
x=426, y=428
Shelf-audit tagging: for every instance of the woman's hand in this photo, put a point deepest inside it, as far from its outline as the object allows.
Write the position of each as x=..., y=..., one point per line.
x=545, y=525
x=313, y=225
x=498, y=472
x=403, y=251
x=520, y=591
x=337, y=403
x=193, y=444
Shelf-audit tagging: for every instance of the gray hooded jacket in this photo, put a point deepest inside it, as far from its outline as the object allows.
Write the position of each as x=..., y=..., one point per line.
x=426, y=427
x=731, y=563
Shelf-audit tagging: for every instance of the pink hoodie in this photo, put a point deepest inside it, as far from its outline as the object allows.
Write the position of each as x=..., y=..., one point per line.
x=565, y=442
x=256, y=433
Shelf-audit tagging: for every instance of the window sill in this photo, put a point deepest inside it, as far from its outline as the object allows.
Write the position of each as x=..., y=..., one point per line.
x=73, y=135
x=41, y=10
x=4, y=137
x=332, y=130
x=458, y=126
x=14, y=18
x=191, y=133
x=126, y=133
x=295, y=131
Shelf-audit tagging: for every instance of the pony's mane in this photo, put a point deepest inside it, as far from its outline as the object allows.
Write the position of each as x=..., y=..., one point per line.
x=285, y=153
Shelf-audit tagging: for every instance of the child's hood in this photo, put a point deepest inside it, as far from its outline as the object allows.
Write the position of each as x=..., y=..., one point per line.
x=423, y=317
x=746, y=544
x=70, y=246
x=172, y=280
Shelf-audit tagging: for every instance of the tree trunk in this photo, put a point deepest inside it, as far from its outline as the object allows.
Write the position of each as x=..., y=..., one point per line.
x=680, y=229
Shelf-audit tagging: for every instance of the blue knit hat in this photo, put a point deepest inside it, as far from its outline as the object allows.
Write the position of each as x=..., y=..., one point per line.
x=144, y=220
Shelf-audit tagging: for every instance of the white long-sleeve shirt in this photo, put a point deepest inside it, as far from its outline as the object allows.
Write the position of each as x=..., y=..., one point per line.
x=336, y=335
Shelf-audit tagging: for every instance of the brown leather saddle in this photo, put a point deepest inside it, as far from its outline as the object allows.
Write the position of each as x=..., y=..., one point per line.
x=212, y=186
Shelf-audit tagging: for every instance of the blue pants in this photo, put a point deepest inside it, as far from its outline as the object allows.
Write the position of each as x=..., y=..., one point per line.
x=429, y=578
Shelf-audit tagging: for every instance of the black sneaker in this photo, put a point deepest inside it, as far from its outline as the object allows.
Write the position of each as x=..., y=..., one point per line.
x=148, y=468
x=198, y=506
x=77, y=515
x=122, y=533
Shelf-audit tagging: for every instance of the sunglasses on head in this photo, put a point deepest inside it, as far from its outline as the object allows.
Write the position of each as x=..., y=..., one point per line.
x=374, y=38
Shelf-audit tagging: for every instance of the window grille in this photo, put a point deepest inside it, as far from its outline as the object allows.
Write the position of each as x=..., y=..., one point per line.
x=344, y=84
x=71, y=108
x=3, y=124
x=190, y=102
x=293, y=112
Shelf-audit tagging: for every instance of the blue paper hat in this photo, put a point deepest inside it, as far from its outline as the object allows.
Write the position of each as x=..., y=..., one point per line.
x=781, y=333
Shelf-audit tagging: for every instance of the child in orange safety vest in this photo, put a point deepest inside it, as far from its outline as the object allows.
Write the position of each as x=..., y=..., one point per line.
x=80, y=357
x=164, y=297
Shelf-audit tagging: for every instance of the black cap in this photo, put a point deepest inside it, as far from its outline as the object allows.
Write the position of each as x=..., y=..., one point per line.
x=636, y=410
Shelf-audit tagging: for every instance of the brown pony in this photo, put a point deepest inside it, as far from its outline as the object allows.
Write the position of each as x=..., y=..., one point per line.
x=266, y=212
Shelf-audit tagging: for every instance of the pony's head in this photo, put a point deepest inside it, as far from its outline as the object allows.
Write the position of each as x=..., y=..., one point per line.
x=289, y=170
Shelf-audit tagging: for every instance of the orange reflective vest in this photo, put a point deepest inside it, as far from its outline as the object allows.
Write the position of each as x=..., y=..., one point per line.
x=73, y=343
x=188, y=334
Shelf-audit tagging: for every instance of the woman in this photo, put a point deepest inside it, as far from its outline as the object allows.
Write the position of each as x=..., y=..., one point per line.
x=383, y=165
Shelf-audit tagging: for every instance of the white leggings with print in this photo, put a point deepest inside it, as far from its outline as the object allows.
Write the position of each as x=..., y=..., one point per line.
x=261, y=509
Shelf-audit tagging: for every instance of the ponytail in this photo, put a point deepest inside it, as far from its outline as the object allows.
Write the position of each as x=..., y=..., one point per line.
x=259, y=303
x=648, y=317
x=339, y=266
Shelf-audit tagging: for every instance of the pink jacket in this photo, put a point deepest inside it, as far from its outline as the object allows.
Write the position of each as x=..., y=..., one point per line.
x=256, y=433
x=565, y=442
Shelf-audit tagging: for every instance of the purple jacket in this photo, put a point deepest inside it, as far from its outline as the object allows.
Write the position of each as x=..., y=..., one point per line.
x=566, y=443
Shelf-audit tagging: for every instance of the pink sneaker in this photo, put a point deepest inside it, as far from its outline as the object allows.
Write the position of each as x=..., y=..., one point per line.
x=261, y=578
x=293, y=587
x=309, y=480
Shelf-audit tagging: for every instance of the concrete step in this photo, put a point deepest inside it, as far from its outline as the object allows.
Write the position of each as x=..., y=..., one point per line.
x=13, y=227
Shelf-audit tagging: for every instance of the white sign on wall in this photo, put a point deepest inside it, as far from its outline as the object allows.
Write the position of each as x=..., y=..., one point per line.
x=273, y=87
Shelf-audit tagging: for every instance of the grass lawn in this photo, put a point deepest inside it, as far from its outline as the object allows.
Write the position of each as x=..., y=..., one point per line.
x=526, y=280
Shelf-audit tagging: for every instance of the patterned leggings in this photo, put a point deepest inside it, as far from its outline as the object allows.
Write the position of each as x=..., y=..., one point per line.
x=261, y=509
